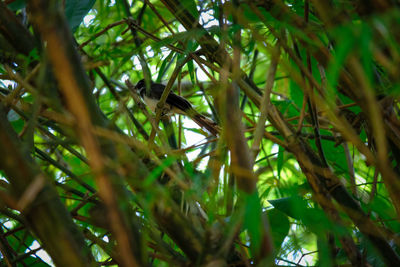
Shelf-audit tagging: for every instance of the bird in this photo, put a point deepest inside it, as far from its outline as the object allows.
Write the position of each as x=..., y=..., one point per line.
x=174, y=104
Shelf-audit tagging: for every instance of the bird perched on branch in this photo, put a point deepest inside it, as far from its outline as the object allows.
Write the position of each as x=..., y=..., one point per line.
x=174, y=104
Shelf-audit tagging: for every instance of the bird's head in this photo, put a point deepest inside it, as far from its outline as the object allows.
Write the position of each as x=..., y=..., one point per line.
x=141, y=84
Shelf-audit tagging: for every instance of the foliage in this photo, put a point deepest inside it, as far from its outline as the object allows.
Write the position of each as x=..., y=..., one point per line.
x=304, y=170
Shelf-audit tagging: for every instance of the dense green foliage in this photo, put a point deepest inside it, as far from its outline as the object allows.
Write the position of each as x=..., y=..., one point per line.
x=305, y=169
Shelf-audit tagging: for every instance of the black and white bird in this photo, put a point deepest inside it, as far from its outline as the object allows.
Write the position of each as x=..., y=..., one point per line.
x=174, y=104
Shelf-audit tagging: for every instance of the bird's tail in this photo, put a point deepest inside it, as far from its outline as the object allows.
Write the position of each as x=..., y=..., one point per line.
x=206, y=123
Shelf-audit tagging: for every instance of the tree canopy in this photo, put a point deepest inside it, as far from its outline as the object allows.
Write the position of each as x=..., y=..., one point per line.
x=301, y=170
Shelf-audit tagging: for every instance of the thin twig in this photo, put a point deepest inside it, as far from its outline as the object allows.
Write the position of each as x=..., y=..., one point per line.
x=266, y=102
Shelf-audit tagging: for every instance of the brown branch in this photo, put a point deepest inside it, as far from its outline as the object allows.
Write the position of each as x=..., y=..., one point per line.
x=14, y=32
x=58, y=233
x=266, y=102
x=74, y=85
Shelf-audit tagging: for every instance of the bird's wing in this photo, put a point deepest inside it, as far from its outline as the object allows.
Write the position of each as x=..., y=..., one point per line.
x=178, y=102
x=172, y=99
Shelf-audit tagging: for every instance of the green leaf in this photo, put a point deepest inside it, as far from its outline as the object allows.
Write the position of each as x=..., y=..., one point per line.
x=253, y=220
x=165, y=65
x=280, y=160
x=15, y=239
x=296, y=94
x=297, y=208
x=190, y=6
x=17, y=5
x=365, y=40
x=291, y=206
x=386, y=212
x=34, y=262
x=76, y=10
x=158, y=170
x=191, y=71
x=334, y=154
x=280, y=226
x=347, y=42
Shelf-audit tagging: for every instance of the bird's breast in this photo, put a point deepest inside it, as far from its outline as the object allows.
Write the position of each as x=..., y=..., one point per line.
x=152, y=104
